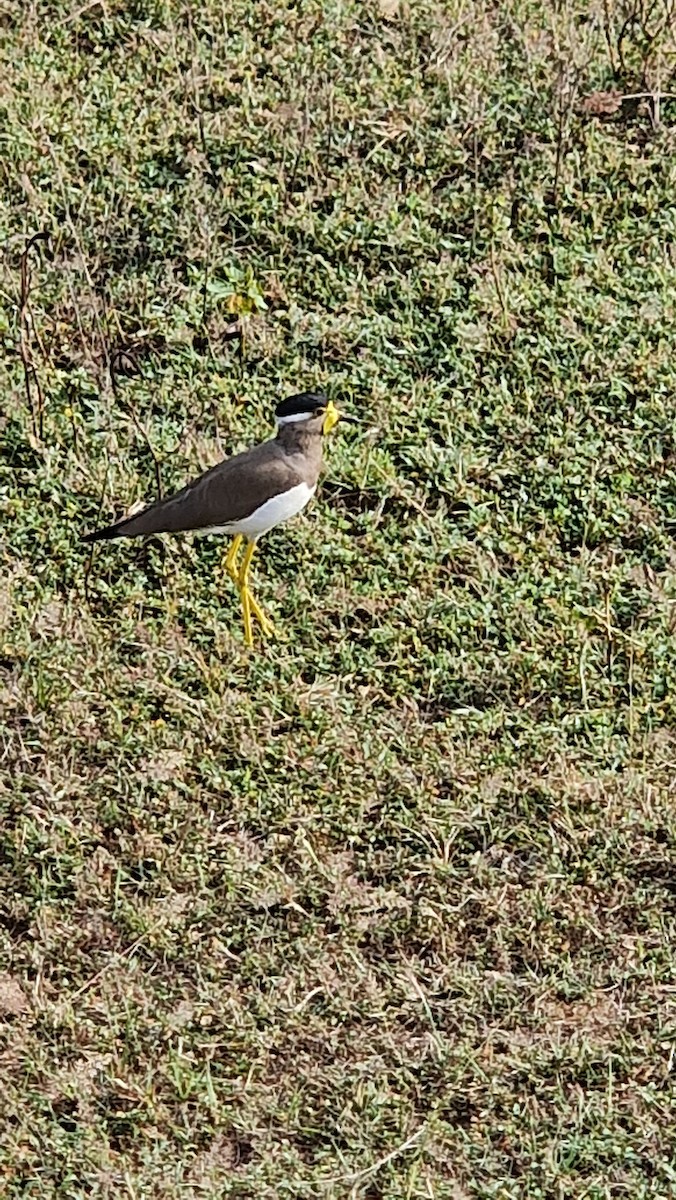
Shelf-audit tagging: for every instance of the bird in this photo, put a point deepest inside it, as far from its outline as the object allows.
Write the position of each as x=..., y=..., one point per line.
x=247, y=495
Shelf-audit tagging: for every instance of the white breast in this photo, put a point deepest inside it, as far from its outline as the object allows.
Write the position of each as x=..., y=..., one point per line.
x=273, y=512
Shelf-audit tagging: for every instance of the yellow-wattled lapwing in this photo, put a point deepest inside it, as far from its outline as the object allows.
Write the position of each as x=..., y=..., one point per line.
x=246, y=495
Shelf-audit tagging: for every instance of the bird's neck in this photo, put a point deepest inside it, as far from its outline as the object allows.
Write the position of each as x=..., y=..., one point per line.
x=296, y=438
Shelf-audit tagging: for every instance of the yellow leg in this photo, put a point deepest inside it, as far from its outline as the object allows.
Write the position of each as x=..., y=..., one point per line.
x=263, y=619
x=245, y=597
x=249, y=604
x=230, y=567
x=231, y=557
x=246, y=563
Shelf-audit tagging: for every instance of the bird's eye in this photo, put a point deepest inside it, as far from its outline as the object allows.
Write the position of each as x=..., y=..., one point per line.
x=319, y=412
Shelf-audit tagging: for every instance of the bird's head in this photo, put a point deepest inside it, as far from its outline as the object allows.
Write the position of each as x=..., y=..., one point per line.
x=311, y=411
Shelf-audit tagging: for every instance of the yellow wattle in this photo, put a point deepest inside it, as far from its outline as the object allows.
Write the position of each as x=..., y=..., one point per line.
x=331, y=417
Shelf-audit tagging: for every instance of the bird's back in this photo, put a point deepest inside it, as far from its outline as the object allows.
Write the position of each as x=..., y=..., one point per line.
x=223, y=495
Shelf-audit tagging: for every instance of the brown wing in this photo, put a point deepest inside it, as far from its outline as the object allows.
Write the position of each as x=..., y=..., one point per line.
x=228, y=492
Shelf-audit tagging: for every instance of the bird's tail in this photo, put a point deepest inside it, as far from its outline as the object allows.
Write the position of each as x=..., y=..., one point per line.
x=162, y=516
x=127, y=527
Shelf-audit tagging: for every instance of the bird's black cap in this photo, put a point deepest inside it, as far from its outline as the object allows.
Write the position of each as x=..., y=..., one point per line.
x=303, y=402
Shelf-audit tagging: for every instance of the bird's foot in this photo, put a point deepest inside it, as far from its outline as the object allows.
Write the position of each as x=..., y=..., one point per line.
x=251, y=608
x=263, y=619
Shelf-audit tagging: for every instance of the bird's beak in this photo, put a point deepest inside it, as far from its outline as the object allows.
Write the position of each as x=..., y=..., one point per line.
x=331, y=417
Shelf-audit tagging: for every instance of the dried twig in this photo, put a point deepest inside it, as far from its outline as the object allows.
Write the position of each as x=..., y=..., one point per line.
x=290, y=182
x=113, y=362
x=30, y=375
x=566, y=96
x=607, y=29
x=499, y=288
x=381, y=1162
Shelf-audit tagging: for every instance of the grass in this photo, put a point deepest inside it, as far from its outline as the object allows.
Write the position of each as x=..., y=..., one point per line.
x=385, y=910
